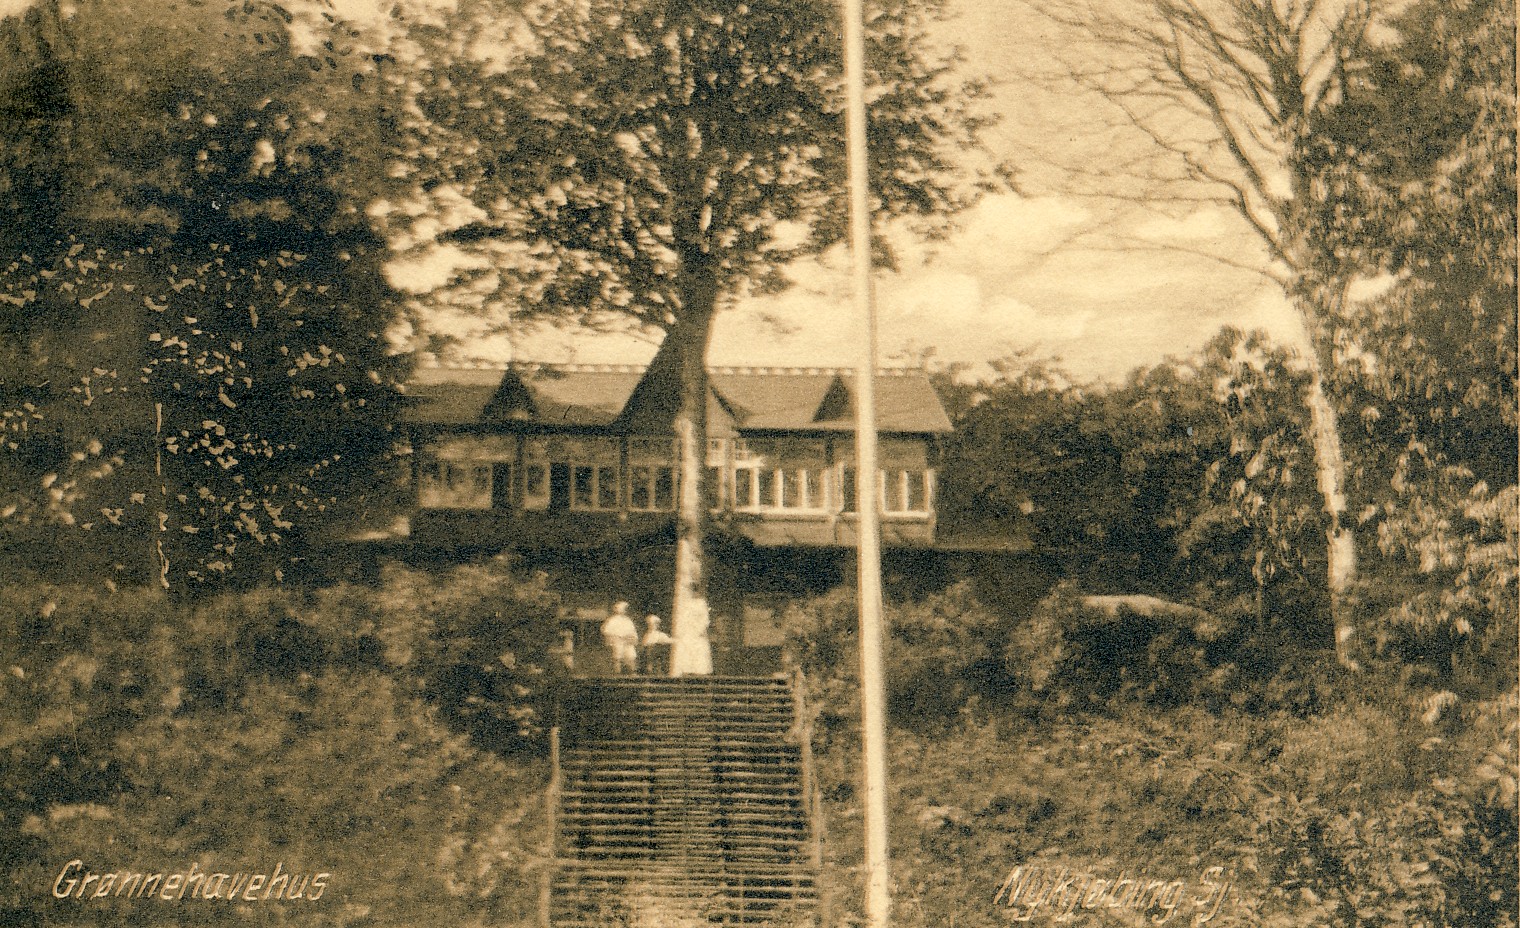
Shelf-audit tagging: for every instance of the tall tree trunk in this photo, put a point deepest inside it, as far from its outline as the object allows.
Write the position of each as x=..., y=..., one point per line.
x=691, y=651
x=1330, y=468
x=1340, y=559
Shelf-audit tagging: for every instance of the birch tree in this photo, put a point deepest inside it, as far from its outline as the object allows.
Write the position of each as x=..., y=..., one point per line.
x=659, y=159
x=1418, y=174
x=1223, y=97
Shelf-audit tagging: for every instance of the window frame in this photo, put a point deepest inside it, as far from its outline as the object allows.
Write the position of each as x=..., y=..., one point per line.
x=601, y=474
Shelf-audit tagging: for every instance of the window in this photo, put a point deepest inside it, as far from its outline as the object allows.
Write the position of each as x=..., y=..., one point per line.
x=915, y=491
x=905, y=491
x=902, y=491
x=446, y=484
x=790, y=488
x=501, y=485
x=744, y=488
x=813, y=487
x=664, y=488
x=650, y=488
x=535, y=474
x=799, y=488
x=717, y=451
x=765, y=484
x=457, y=477
x=593, y=486
x=535, y=486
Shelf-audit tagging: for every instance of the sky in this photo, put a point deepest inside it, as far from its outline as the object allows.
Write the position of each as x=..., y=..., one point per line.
x=1041, y=272
x=1004, y=284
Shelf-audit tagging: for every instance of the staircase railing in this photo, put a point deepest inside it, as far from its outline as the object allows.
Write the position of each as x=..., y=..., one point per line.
x=812, y=796
x=551, y=832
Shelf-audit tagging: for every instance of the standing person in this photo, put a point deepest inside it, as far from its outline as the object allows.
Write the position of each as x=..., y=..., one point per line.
x=621, y=637
x=656, y=648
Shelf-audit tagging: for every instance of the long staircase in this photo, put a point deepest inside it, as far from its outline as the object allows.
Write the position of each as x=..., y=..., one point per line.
x=683, y=801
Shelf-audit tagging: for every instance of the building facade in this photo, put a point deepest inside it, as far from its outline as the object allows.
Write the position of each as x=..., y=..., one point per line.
x=541, y=454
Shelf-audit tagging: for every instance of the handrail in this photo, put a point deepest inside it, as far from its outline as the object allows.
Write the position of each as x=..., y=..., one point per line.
x=551, y=831
x=812, y=795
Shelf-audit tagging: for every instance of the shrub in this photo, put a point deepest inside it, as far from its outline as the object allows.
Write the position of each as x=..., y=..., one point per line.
x=1085, y=656
x=337, y=773
x=474, y=637
x=323, y=729
x=941, y=657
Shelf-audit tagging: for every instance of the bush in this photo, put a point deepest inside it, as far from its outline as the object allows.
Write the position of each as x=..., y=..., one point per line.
x=474, y=637
x=1366, y=840
x=941, y=657
x=338, y=773
x=1356, y=818
x=333, y=730
x=1084, y=656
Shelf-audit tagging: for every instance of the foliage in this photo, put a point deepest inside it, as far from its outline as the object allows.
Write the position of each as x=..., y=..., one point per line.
x=1195, y=481
x=1094, y=478
x=1451, y=608
x=336, y=773
x=1214, y=101
x=1307, y=819
x=942, y=653
x=1413, y=175
x=1193, y=478
x=638, y=147
x=1082, y=656
x=194, y=358
x=1256, y=527
x=1414, y=179
x=225, y=434
x=348, y=730
x=1440, y=853
x=474, y=637
x=1031, y=455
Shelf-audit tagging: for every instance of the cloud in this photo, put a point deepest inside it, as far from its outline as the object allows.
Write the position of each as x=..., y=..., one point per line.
x=1209, y=224
x=1010, y=224
x=431, y=268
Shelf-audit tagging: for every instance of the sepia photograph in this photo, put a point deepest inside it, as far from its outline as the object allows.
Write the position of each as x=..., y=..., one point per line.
x=773, y=463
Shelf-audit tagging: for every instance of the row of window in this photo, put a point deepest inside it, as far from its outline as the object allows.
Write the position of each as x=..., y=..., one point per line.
x=651, y=488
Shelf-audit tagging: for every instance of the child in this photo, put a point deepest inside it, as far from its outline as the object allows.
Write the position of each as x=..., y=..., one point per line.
x=656, y=648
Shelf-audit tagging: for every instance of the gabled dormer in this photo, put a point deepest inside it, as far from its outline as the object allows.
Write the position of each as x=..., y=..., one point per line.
x=512, y=402
x=837, y=405
x=651, y=408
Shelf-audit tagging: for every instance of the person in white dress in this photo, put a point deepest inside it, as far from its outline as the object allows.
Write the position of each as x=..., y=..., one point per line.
x=622, y=637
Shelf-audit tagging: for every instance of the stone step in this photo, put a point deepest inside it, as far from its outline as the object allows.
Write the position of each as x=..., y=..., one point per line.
x=681, y=793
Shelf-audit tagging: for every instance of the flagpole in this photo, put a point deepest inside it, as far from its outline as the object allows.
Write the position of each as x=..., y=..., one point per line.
x=872, y=636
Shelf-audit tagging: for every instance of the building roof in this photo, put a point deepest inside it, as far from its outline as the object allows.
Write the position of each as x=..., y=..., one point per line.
x=639, y=400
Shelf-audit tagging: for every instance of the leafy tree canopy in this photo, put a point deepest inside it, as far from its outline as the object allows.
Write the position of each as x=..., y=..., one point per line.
x=193, y=366
x=639, y=147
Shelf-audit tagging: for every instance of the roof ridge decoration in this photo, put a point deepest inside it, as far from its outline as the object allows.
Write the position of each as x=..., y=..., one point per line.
x=529, y=367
